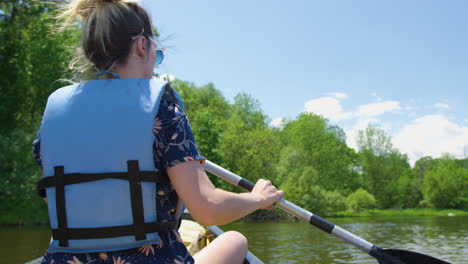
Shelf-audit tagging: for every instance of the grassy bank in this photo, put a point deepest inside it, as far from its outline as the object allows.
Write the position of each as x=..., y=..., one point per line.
x=402, y=212
x=277, y=215
x=35, y=214
x=40, y=216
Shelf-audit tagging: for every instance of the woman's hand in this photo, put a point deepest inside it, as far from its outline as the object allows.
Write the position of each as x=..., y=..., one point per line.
x=266, y=194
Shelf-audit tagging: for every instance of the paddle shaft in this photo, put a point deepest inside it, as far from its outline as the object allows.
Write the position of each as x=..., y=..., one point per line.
x=299, y=212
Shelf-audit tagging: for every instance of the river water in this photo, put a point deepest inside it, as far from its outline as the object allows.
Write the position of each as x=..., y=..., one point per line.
x=442, y=237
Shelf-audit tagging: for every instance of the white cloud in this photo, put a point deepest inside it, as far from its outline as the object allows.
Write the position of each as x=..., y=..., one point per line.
x=338, y=95
x=328, y=107
x=441, y=106
x=409, y=108
x=376, y=109
x=277, y=123
x=331, y=108
x=431, y=135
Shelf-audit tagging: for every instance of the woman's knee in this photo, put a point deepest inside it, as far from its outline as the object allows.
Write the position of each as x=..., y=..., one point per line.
x=230, y=247
x=237, y=240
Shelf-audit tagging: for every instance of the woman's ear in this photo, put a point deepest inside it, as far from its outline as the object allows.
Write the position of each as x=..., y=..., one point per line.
x=139, y=48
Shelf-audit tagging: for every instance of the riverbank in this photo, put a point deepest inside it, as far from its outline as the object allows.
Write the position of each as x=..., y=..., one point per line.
x=402, y=212
x=17, y=216
x=40, y=219
x=277, y=215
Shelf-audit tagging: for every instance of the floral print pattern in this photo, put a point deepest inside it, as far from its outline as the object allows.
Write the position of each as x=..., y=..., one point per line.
x=74, y=260
x=147, y=249
x=174, y=143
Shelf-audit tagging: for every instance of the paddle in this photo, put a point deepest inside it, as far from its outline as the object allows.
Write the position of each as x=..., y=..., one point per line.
x=383, y=256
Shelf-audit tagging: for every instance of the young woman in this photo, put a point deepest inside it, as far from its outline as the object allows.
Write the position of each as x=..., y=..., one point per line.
x=107, y=145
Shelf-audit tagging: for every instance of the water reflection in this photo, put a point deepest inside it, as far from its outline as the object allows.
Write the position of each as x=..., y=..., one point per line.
x=21, y=244
x=442, y=237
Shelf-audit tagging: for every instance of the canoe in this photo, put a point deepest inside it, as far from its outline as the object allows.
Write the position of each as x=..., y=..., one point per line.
x=195, y=238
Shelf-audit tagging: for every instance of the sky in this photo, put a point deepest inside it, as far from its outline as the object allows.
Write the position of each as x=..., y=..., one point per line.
x=401, y=65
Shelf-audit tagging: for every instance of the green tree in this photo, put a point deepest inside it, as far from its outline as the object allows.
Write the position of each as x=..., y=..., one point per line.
x=322, y=147
x=208, y=110
x=446, y=185
x=290, y=164
x=360, y=200
x=32, y=61
x=421, y=166
x=247, y=146
x=374, y=140
x=303, y=190
x=408, y=190
x=382, y=167
x=315, y=166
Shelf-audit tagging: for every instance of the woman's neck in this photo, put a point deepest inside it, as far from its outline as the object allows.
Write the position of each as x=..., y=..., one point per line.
x=131, y=69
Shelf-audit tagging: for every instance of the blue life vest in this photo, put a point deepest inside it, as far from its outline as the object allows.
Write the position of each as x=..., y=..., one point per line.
x=99, y=173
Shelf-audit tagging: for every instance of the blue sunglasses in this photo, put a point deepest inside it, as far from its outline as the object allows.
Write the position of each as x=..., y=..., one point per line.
x=159, y=51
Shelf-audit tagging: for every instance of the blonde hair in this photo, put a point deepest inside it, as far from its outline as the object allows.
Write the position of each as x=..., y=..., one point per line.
x=107, y=30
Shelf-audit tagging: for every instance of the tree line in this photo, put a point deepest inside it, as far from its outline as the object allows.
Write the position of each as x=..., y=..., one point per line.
x=308, y=157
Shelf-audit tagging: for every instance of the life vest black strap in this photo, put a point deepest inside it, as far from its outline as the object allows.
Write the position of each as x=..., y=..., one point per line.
x=114, y=231
x=134, y=176
x=136, y=199
x=62, y=235
x=75, y=178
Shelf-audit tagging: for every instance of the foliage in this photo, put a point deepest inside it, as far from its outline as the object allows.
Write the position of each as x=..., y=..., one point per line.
x=313, y=197
x=223, y=131
x=446, y=185
x=408, y=190
x=402, y=212
x=421, y=166
x=32, y=60
x=374, y=139
x=324, y=148
x=18, y=182
x=463, y=163
x=247, y=146
x=334, y=202
x=208, y=111
x=382, y=168
x=360, y=200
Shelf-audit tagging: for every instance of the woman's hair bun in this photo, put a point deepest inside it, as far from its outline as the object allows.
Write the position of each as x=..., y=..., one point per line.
x=113, y=1
x=81, y=9
x=107, y=28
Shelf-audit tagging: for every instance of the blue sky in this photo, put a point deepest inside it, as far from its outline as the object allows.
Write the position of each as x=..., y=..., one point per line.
x=400, y=64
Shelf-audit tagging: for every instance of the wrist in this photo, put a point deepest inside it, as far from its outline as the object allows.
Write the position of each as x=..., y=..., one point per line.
x=258, y=200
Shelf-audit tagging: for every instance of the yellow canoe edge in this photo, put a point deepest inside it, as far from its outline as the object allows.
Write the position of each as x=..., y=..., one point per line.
x=195, y=236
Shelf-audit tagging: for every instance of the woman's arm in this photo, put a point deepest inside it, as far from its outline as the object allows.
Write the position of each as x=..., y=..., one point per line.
x=211, y=206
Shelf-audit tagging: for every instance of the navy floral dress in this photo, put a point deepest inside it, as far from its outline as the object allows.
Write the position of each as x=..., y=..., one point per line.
x=174, y=144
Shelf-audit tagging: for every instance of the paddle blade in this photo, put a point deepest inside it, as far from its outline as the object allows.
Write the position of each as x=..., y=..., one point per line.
x=409, y=257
